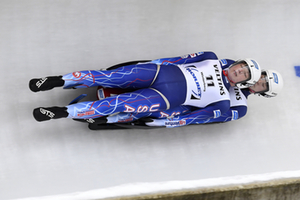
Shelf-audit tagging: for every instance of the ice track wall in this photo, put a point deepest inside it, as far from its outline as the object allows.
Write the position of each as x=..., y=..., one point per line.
x=280, y=185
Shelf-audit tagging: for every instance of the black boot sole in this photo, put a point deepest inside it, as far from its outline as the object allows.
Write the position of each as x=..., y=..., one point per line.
x=47, y=83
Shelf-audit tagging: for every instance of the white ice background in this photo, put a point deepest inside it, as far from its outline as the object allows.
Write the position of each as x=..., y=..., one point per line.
x=54, y=37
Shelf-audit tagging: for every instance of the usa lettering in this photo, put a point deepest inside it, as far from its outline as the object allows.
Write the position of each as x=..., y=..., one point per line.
x=40, y=82
x=142, y=109
x=47, y=112
x=219, y=78
x=163, y=114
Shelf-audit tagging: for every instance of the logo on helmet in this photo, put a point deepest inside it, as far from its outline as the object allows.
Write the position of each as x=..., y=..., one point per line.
x=275, y=78
x=255, y=64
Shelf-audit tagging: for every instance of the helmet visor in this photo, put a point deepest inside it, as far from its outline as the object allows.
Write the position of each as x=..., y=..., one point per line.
x=263, y=83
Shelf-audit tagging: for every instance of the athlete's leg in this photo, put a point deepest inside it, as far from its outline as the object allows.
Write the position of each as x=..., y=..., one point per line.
x=168, y=92
x=172, y=85
x=140, y=101
x=132, y=76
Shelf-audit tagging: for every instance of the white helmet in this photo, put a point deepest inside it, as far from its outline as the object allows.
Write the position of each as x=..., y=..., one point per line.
x=254, y=69
x=275, y=83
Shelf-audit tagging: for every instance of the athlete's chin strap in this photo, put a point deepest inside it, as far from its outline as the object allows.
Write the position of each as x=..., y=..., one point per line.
x=252, y=91
x=225, y=72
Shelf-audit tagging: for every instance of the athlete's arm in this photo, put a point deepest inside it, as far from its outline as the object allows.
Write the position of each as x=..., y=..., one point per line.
x=200, y=116
x=233, y=113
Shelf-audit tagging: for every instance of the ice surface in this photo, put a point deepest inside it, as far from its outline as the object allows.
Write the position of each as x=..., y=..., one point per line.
x=42, y=38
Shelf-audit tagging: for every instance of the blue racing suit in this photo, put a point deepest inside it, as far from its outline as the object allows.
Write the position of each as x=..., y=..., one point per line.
x=172, y=118
x=192, y=86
